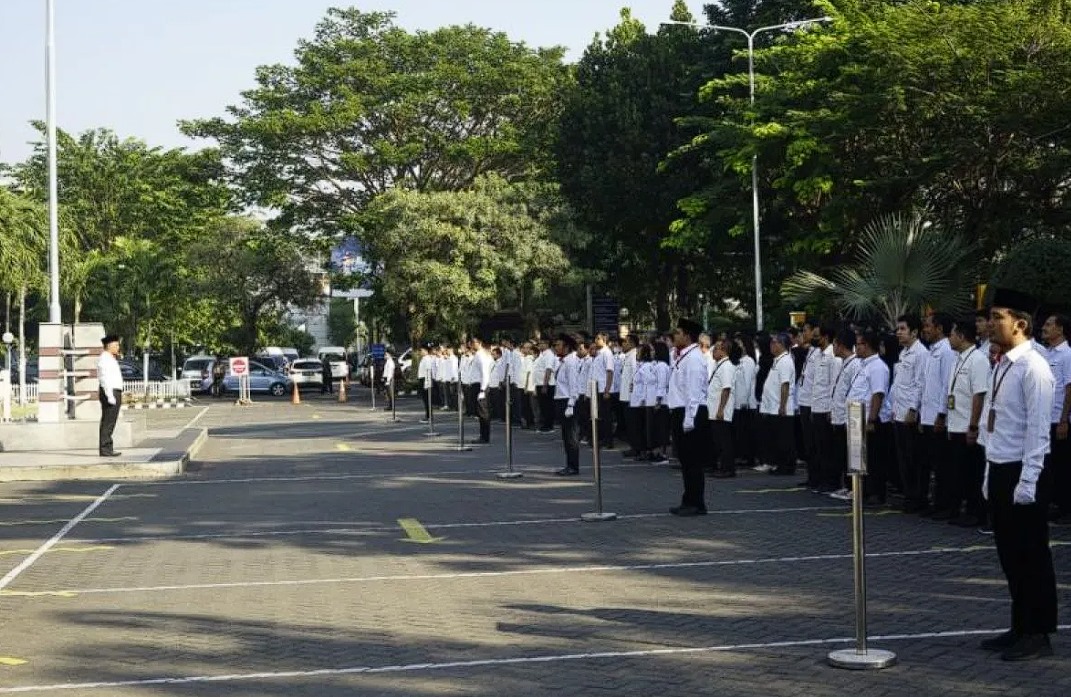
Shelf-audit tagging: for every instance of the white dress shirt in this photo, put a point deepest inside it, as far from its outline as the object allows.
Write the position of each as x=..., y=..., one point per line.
x=388, y=371
x=600, y=364
x=688, y=384
x=641, y=377
x=782, y=372
x=527, y=383
x=847, y=370
x=565, y=382
x=449, y=369
x=584, y=385
x=628, y=375
x=547, y=361
x=939, y=369
x=872, y=379
x=470, y=370
x=1020, y=402
x=424, y=370
x=516, y=367
x=806, y=388
x=109, y=375
x=482, y=363
x=1059, y=359
x=498, y=370
x=826, y=368
x=970, y=377
x=744, y=390
x=660, y=384
x=723, y=377
x=908, y=379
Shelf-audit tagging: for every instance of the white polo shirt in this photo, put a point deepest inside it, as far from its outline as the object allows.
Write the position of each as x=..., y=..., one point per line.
x=970, y=377
x=722, y=378
x=782, y=372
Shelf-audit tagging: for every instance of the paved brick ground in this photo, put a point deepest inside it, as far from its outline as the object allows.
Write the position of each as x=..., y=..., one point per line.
x=281, y=555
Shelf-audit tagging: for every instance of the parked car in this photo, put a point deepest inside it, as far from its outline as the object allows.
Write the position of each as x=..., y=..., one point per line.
x=261, y=379
x=336, y=357
x=198, y=370
x=132, y=370
x=307, y=371
x=276, y=361
x=31, y=370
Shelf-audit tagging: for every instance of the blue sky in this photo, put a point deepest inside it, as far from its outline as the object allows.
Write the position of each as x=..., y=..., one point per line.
x=138, y=66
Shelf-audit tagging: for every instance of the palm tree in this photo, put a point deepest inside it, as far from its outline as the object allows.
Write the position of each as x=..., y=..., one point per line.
x=23, y=251
x=902, y=264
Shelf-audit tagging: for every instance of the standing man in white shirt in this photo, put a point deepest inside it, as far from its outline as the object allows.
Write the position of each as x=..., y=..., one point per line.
x=846, y=369
x=934, y=416
x=871, y=387
x=777, y=409
x=388, y=378
x=481, y=371
x=545, y=369
x=602, y=372
x=966, y=396
x=906, y=396
x=625, y=416
x=565, y=394
x=1058, y=462
x=1015, y=432
x=424, y=381
x=721, y=405
x=825, y=370
x=688, y=411
x=450, y=370
x=110, y=394
x=805, y=397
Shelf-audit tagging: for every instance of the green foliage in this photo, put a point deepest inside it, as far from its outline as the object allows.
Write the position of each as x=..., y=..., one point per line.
x=902, y=264
x=341, y=322
x=370, y=106
x=444, y=258
x=1040, y=267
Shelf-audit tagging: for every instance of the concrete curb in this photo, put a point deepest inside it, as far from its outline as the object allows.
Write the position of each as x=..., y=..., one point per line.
x=173, y=457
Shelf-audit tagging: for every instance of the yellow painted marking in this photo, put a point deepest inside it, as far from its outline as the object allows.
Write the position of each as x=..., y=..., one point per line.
x=849, y=514
x=39, y=594
x=415, y=532
x=343, y=447
x=95, y=548
x=11, y=661
x=770, y=491
x=12, y=523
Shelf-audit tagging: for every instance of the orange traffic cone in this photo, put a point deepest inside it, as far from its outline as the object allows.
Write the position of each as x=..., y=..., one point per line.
x=342, y=391
x=295, y=395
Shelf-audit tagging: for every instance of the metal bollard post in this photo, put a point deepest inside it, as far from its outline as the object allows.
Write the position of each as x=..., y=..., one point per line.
x=461, y=446
x=393, y=402
x=861, y=657
x=510, y=473
x=431, y=416
x=596, y=460
x=372, y=382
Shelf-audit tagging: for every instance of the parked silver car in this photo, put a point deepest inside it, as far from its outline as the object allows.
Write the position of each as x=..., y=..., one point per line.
x=261, y=379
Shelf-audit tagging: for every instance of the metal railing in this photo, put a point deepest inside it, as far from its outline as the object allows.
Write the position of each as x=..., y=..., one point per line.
x=24, y=394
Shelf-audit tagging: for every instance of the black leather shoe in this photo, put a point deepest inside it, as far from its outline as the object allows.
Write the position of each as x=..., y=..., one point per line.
x=111, y=454
x=567, y=472
x=687, y=511
x=1029, y=647
x=1001, y=642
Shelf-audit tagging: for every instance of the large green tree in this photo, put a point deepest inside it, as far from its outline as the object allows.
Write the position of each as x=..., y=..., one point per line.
x=369, y=106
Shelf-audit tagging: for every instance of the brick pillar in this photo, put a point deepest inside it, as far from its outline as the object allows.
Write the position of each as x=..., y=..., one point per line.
x=51, y=407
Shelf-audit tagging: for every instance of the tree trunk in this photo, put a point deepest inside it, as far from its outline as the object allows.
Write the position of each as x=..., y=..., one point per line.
x=77, y=308
x=22, y=346
x=662, y=311
x=7, y=312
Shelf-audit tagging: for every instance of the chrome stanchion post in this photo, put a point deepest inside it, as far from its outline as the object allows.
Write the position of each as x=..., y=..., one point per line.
x=861, y=657
x=596, y=459
x=431, y=415
x=461, y=447
x=393, y=401
x=372, y=382
x=509, y=473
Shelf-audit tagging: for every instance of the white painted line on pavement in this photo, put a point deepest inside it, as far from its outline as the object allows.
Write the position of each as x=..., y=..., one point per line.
x=495, y=662
x=238, y=534
x=515, y=572
x=29, y=561
x=195, y=419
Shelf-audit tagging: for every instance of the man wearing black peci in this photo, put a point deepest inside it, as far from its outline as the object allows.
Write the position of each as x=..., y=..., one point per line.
x=688, y=409
x=110, y=393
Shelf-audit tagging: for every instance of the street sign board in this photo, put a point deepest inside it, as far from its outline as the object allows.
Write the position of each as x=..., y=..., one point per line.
x=605, y=313
x=239, y=366
x=379, y=351
x=856, y=438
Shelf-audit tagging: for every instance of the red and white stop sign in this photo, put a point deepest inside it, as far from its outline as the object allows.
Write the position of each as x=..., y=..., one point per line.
x=239, y=366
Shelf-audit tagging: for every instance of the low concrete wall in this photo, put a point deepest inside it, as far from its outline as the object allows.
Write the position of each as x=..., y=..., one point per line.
x=66, y=435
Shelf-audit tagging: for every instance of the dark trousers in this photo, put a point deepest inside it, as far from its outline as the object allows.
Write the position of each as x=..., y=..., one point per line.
x=909, y=459
x=934, y=448
x=779, y=435
x=570, y=436
x=1022, y=537
x=518, y=409
x=496, y=403
x=389, y=390
x=621, y=418
x=658, y=427
x=451, y=394
x=722, y=436
x=837, y=462
x=690, y=449
x=744, y=435
x=109, y=414
x=607, y=417
x=968, y=473
x=546, y=407
x=1058, y=471
x=637, y=428
x=821, y=442
x=878, y=461
x=425, y=397
x=583, y=418
x=482, y=410
x=806, y=437
x=470, y=398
